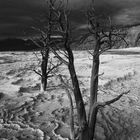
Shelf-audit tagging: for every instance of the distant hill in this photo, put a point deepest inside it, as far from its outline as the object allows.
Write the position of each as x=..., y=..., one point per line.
x=14, y=44
x=134, y=36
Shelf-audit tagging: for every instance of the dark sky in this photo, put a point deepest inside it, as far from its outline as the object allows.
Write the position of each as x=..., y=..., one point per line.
x=18, y=16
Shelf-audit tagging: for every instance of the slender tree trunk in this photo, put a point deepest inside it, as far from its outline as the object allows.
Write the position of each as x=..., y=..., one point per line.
x=92, y=121
x=45, y=55
x=78, y=96
x=43, y=83
x=79, y=104
x=93, y=110
x=72, y=132
x=94, y=76
x=81, y=112
x=44, y=66
x=85, y=135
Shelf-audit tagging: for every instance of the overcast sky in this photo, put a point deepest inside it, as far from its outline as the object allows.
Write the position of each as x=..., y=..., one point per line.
x=18, y=16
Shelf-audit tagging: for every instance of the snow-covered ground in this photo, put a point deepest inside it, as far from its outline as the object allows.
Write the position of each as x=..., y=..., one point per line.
x=119, y=71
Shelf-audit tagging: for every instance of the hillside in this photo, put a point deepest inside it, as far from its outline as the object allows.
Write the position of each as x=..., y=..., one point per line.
x=14, y=44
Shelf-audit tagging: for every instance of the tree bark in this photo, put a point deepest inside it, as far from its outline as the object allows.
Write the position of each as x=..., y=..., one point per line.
x=92, y=121
x=94, y=75
x=72, y=132
x=93, y=110
x=83, y=125
x=78, y=98
x=84, y=135
x=44, y=66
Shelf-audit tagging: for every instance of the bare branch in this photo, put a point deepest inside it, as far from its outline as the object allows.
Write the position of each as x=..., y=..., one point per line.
x=49, y=76
x=59, y=57
x=91, y=53
x=37, y=44
x=39, y=30
x=54, y=67
x=104, y=50
x=113, y=100
x=37, y=73
x=122, y=38
x=96, y=106
x=64, y=53
x=84, y=37
x=37, y=57
x=101, y=74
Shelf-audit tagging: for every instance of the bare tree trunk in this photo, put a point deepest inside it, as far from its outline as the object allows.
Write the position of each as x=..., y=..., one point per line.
x=79, y=104
x=84, y=135
x=44, y=65
x=45, y=56
x=92, y=121
x=83, y=125
x=72, y=132
x=78, y=97
x=93, y=110
x=94, y=76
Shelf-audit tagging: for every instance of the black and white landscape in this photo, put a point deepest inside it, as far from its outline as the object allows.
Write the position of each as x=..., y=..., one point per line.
x=97, y=58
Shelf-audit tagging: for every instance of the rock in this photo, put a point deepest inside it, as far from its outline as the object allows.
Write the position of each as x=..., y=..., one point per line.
x=39, y=133
x=1, y=121
x=1, y=126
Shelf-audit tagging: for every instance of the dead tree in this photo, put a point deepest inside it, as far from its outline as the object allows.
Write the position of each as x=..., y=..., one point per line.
x=44, y=74
x=105, y=38
x=44, y=43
